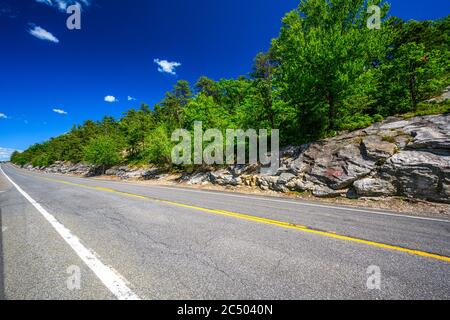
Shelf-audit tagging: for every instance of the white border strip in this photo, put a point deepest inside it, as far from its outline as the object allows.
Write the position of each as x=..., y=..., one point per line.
x=108, y=276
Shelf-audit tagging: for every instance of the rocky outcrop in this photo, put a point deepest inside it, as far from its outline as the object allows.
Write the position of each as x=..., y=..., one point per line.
x=87, y=170
x=370, y=187
x=419, y=174
x=397, y=157
x=127, y=173
x=69, y=168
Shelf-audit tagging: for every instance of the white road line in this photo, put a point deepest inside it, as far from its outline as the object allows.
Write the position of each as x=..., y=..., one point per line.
x=108, y=276
x=4, y=229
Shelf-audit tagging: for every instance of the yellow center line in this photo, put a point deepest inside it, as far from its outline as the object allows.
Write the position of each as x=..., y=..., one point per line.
x=252, y=218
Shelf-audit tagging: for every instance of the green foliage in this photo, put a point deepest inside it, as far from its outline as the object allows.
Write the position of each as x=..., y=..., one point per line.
x=426, y=108
x=102, y=150
x=326, y=55
x=135, y=125
x=19, y=158
x=159, y=146
x=413, y=76
x=417, y=66
x=170, y=110
x=42, y=160
x=358, y=121
x=325, y=72
x=204, y=108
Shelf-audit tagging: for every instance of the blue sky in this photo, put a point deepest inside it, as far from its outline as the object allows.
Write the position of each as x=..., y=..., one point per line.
x=127, y=52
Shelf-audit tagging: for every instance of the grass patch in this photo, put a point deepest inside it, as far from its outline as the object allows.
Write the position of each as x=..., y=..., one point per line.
x=429, y=108
x=389, y=139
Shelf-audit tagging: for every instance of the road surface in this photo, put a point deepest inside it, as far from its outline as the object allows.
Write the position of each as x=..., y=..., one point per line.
x=74, y=238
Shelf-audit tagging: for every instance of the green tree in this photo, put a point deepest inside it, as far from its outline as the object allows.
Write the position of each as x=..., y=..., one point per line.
x=204, y=108
x=414, y=75
x=135, y=125
x=417, y=66
x=324, y=51
x=158, y=146
x=208, y=87
x=18, y=158
x=103, y=151
x=259, y=102
x=170, y=110
x=232, y=93
x=41, y=160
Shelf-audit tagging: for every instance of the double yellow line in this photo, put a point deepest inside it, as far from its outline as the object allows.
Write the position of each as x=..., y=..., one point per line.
x=277, y=223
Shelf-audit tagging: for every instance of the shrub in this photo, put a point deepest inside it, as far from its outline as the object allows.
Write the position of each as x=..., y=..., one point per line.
x=42, y=160
x=103, y=151
x=427, y=108
x=159, y=146
x=355, y=122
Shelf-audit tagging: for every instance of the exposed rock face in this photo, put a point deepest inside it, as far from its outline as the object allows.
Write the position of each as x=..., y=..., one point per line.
x=225, y=177
x=370, y=187
x=396, y=157
x=377, y=149
x=199, y=178
x=419, y=174
x=339, y=164
x=126, y=173
x=69, y=168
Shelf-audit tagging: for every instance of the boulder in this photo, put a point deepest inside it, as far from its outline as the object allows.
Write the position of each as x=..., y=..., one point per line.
x=429, y=132
x=284, y=178
x=301, y=185
x=340, y=165
x=419, y=174
x=370, y=187
x=224, y=178
x=378, y=149
x=325, y=192
x=298, y=166
x=199, y=178
x=429, y=138
x=238, y=169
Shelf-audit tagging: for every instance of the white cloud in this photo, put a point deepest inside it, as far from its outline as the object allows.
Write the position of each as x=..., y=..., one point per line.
x=42, y=34
x=166, y=66
x=111, y=99
x=3, y=116
x=59, y=111
x=62, y=5
x=131, y=98
x=5, y=153
x=47, y=2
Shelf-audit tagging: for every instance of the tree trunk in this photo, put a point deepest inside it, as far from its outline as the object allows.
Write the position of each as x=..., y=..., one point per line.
x=331, y=112
x=412, y=91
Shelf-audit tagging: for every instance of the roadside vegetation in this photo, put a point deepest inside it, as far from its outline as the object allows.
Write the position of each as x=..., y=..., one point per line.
x=326, y=72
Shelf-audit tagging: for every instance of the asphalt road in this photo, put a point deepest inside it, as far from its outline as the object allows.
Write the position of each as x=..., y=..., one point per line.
x=127, y=241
